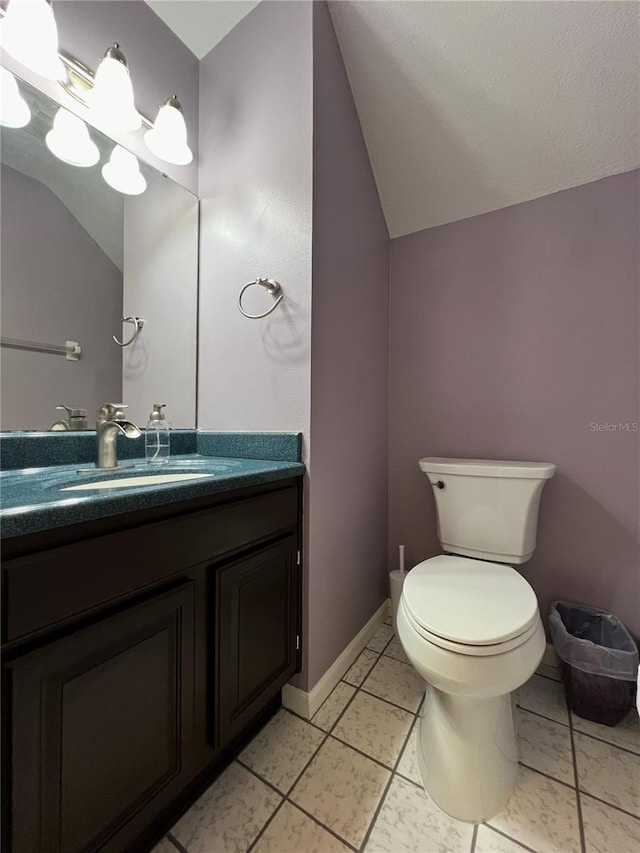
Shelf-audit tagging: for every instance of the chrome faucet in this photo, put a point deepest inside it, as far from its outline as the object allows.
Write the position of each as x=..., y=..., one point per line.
x=109, y=423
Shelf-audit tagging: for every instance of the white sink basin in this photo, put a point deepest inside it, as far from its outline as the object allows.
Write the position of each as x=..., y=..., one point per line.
x=133, y=482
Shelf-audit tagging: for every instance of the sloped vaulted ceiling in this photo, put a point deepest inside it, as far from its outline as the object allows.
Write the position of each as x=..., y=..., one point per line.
x=468, y=107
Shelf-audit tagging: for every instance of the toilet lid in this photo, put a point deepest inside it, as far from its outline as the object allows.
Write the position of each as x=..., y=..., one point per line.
x=470, y=602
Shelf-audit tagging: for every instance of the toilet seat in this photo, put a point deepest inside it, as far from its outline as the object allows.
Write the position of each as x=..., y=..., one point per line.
x=469, y=606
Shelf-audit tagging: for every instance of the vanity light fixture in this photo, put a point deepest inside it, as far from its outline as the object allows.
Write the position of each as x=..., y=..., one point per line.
x=29, y=33
x=122, y=172
x=14, y=110
x=167, y=139
x=111, y=98
x=69, y=140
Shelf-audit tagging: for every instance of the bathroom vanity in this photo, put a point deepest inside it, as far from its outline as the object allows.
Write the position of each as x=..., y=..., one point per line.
x=141, y=648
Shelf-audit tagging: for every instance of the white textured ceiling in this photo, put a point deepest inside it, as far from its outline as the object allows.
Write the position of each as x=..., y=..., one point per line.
x=201, y=24
x=468, y=107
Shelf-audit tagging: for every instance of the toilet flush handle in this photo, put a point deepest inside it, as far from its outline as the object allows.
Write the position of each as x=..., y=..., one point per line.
x=439, y=484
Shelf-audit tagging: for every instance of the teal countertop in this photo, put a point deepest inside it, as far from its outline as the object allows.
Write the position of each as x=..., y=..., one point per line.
x=31, y=498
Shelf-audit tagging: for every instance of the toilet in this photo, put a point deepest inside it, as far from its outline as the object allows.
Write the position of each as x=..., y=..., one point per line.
x=469, y=623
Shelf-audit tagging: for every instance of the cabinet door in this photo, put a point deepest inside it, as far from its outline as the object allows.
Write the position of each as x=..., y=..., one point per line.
x=101, y=726
x=256, y=618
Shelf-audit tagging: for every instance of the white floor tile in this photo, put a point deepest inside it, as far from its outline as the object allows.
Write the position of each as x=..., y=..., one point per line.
x=545, y=697
x=292, y=831
x=545, y=746
x=395, y=650
x=374, y=727
x=165, y=846
x=361, y=667
x=408, y=764
x=396, y=682
x=607, y=830
x=280, y=751
x=229, y=815
x=333, y=706
x=342, y=789
x=625, y=734
x=489, y=841
x=380, y=638
x=609, y=773
x=541, y=814
x=409, y=822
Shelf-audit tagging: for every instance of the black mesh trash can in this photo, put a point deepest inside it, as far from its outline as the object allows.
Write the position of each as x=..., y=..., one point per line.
x=600, y=661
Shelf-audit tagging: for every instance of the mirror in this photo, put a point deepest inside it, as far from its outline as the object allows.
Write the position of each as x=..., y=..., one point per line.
x=77, y=257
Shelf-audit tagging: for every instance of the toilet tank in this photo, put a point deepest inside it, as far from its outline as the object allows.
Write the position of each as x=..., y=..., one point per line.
x=486, y=508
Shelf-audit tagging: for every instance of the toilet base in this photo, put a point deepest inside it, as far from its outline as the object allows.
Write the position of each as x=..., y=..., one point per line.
x=467, y=753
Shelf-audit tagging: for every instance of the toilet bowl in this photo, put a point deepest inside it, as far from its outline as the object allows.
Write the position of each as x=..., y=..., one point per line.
x=472, y=630
x=467, y=750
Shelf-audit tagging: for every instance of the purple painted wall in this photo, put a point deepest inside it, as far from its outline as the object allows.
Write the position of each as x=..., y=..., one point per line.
x=255, y=189
x=57, y=285
x=159, y=63
x=512, y=336
x=347, y=525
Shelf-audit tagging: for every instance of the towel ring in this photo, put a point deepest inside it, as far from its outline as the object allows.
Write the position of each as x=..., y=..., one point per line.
x=138, y=322
x=274, y=289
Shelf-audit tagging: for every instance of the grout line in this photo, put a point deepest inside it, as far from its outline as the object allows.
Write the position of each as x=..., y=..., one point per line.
x=608, y=742
x=323, y=825
x=515, y=840
x=176, y=843
x=393, y=704
x=268, y=823
x=547, y=776
x=473, y=838
x=548, y=677
x=544, y=716
x=365, y=754
x=367, y=673
x=583, y=845
x=611, y=805
x=261, y=778
x=304, y=719
x=393, y=774
x=344, y=710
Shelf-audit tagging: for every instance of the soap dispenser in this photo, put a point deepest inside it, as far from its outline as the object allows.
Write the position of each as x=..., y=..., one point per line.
x=156, y=440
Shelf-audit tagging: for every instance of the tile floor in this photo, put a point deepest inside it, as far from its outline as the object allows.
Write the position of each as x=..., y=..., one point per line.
x=348, y=779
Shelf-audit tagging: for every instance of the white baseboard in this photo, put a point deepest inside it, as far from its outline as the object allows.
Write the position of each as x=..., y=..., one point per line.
x=306, y=704
x=550, y=664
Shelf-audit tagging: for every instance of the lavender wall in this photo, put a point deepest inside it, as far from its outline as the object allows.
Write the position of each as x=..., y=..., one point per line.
x=511, y=333
x=255, y=189
x=161, y=284
x=159, y=63
x=57, y=285
x=347, y=532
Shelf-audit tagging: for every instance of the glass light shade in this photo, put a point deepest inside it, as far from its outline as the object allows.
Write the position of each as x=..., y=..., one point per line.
x=14, y=110
x=168, y=137
x=69, y=140
x=122, y=172
x=29, y=33
x=111, y=99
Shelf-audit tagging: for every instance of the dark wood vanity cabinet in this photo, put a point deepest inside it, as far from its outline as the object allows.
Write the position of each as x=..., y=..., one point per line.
x=118, y=709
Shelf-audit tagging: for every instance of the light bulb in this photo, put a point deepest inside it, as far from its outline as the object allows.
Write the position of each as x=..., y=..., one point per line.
x=14, y=110
x=69, y=140
x=29, y=33
x=122, y=172
x=111, y=99
x=168, y=137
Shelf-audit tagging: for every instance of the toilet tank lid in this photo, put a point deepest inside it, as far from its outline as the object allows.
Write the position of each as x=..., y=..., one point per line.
x=486, y=467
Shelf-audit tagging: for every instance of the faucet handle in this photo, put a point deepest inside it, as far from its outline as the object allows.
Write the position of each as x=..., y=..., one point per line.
x=72, y=411
x=111, y=412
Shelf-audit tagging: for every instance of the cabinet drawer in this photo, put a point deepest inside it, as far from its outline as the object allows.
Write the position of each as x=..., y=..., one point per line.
x=52, y=586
